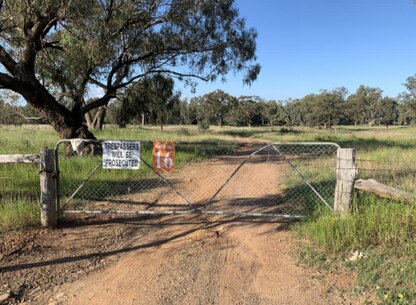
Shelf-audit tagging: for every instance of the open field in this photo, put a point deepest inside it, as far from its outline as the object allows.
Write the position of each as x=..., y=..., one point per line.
x=383, y=232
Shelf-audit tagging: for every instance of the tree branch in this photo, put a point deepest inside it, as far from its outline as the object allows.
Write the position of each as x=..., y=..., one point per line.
x=64, y=94
x=34, y=40
x=100, y=102
x=84, y=81
x=52, y=45
x=49, y=26
x=7, y=82
x=7, y=61
x=28, y=118
x=125, y=63
x=98, y=83
x=171, y=72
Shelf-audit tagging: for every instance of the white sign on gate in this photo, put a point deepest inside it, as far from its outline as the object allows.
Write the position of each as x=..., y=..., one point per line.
x=121, y=155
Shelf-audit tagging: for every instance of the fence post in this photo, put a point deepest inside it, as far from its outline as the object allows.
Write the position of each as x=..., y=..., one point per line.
x=346, y=172
x=48, y=191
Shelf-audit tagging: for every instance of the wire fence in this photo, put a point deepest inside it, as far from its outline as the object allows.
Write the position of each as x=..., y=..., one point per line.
x=19, y=181
x=396, y=173
x=262, y=178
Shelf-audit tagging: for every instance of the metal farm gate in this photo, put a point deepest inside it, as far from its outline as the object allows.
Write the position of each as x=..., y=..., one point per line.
x=287, y=180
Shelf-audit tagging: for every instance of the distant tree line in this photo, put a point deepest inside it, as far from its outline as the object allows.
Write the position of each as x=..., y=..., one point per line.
x=154, y=101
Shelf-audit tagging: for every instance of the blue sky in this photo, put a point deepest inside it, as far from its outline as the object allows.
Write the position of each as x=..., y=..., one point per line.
x=307, y=45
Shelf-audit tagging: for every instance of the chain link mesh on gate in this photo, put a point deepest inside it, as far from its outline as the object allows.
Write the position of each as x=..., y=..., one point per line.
x=281, y=179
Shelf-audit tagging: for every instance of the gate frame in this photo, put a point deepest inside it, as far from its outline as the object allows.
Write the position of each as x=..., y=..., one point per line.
x=345, y=177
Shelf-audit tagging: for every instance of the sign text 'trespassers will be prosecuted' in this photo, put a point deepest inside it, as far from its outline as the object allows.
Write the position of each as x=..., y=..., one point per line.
x=121, y=155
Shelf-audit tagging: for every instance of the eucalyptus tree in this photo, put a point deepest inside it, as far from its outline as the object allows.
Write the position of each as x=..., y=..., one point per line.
x=326, y=108
x=246, y=111
x=215, y=106
x=406, y=109
x=272, y=113
x=356, y=109
x=363, y=104
x=407, y=102
x=54, y=52
x=295, y=112
x=387, y=111
x=150, y=100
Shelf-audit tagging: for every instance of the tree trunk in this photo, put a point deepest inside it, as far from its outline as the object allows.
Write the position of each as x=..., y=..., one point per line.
x=143, y=120
x=219, y=122
x=88, y=119
x=99, y=118
x=68, y=124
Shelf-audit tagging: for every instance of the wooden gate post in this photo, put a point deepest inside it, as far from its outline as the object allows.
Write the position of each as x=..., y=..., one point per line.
x=48, y=191
x=346, y=173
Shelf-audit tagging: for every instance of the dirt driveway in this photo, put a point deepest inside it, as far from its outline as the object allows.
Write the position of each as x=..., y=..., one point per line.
x=224, y=262
x=169, y=260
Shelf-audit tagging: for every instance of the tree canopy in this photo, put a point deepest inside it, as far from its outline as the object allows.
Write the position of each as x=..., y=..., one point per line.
x=52, y=52
x=152, y=98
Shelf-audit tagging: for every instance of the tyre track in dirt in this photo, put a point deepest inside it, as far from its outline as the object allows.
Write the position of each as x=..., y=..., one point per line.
x=185, y=259
x=225, y=262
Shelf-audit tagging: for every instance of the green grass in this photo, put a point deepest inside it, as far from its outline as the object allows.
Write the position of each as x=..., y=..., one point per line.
x=373, y=223
x=18, y=214
x=384, y=231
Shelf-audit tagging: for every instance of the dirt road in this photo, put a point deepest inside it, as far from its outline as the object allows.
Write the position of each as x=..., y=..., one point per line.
x=237, y=262
x=172, y=259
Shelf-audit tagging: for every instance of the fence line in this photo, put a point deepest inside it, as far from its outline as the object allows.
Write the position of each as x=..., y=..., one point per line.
x=15, y=180
x=19, y=158
x=241, y=186
x=46, y=181
x=400, y=176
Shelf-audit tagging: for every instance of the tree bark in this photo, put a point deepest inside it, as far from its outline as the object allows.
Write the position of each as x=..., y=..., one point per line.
x=68, y=124
x=89, y=120
x=99, y=118
x=219, y=122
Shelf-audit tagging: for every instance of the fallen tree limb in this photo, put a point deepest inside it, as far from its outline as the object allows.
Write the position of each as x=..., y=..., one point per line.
x=382, y=190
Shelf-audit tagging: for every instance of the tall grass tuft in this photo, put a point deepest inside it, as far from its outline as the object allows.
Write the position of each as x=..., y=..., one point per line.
x=18, y=213
x=373, y=223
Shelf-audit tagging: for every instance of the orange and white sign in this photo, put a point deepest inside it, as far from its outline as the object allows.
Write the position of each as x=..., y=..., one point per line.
x=164, y=156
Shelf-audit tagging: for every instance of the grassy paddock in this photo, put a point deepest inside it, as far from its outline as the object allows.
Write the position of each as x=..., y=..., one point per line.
x=383, y=231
